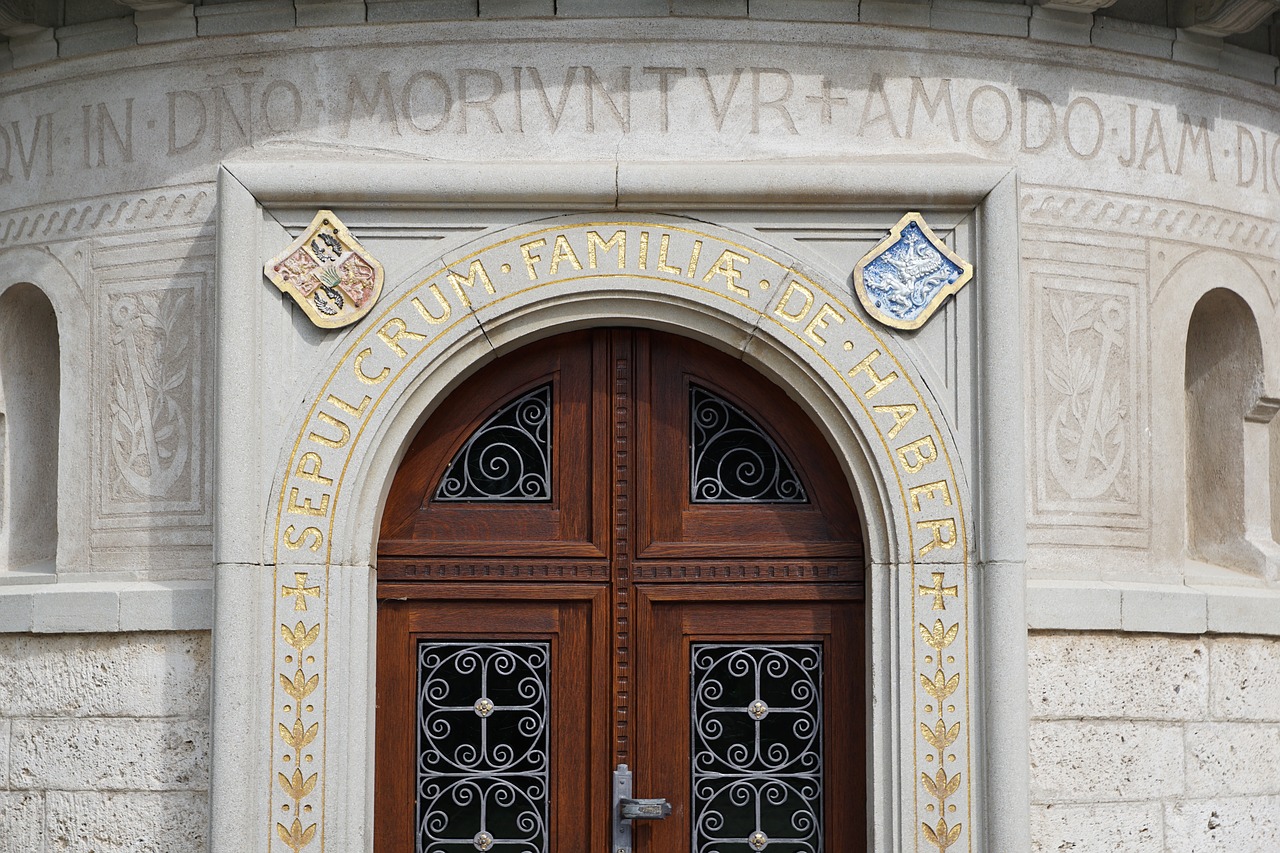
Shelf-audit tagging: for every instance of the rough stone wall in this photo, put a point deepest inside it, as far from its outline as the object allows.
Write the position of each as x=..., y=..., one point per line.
x=104, y=743
x=1147, y=743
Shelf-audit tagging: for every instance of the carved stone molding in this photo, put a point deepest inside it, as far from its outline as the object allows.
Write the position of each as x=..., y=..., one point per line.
x=1223, y=17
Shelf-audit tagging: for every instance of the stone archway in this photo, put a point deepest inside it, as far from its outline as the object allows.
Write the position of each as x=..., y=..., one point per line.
x=294, y=602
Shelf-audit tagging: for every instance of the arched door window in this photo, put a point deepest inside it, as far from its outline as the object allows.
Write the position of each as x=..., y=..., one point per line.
x=619, y=547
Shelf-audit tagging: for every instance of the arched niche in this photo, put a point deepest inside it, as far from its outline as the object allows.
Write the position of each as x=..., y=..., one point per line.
x=30, y=381
x=1227, y=449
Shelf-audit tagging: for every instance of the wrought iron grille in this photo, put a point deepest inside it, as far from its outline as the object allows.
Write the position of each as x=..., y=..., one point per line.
x=733, y=459
x=482, y=779
x=508, y=458
x=757, y=748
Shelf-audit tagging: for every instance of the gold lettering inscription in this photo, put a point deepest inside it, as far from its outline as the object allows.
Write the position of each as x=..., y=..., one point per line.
x=724, y=266
x=343, y=429
x=305, y=508
x=293, y=543
x=938, y=491
x=693, y=258
x=526, y=251
x=475, y=273
x=878, y=383
x=391, y=333
x=805, y=293
x=562, y=251
x=819, y=322
x=445, y=308
x=309, y=468
x=354, y=411
x=596, y=242
x=663, y=266
x=364, y=377
x=644, y=250
x=902, y=415
x=917, y=454
x=944, y=534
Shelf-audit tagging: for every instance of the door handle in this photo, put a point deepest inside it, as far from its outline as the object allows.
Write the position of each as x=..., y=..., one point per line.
x=627, y=808
x=649, y=808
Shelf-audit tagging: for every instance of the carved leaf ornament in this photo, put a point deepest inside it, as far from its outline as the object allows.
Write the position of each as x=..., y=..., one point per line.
x=908, y=275
x=333, y=278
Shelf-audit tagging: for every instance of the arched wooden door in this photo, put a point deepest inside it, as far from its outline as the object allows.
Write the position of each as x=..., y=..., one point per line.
x=620, y=547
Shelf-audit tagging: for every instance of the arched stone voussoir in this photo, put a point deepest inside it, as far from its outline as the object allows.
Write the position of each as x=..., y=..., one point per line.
x=531, y=280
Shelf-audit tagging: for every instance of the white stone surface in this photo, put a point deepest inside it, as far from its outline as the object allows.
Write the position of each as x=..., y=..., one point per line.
x=22, y=813
x=4, y=754
x=1227, y=759
x=1118, y=677
x=1083, y=762
x=1098, y=828
x=94, y=754
x=1246, y=678
x=127, y=822
x=112, y=675
x=1223, y=825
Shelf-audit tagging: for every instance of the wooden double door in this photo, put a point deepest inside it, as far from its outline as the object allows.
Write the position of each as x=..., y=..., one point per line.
x=620, y=547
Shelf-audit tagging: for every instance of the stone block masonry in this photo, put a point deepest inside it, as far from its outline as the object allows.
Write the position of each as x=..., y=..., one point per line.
x=104, y=743
x=1146, y=743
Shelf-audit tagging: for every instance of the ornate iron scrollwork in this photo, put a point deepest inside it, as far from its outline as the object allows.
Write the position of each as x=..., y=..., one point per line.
x=508, y=458
x=482, y=779
x=733, y=459
x=757, y=748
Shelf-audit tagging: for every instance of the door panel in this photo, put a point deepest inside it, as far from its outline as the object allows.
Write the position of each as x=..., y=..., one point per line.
x=529, y=749
x=629, y=603
x=704, y=649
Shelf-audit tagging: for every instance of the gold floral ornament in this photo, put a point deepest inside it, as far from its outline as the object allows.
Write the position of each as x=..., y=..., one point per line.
x=328, y=273
x=908, y=275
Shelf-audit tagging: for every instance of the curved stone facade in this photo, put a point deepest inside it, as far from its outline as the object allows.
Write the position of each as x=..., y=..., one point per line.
x=1104, y=390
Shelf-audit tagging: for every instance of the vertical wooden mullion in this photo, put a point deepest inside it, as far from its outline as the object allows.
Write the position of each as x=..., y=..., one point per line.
x=622, y=469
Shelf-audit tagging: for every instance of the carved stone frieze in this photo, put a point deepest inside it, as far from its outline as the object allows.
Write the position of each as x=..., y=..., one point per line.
x=113, y=214
x=1067, y=207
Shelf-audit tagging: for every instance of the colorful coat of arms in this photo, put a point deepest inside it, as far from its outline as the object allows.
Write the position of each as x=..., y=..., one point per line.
x=328, y=273
x=909, y=274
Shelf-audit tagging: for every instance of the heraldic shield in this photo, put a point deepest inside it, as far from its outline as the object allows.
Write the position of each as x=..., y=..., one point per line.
x=908, y=275
x=328, y=273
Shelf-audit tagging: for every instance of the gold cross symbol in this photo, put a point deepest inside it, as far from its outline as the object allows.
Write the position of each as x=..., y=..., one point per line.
x=938, y=590
x=301, y=591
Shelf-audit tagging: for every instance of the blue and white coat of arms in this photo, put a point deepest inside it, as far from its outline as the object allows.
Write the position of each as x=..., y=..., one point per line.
x=908, y=275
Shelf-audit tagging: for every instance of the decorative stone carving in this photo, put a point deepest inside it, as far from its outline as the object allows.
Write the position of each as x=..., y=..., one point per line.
x=1223, y=17
x=18, y=18
x=150, y=364
x=1086, y=7
x=1087, y=401
x=150, y=402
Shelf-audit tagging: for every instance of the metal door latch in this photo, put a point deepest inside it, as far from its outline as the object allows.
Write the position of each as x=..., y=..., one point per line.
x=627, y=809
